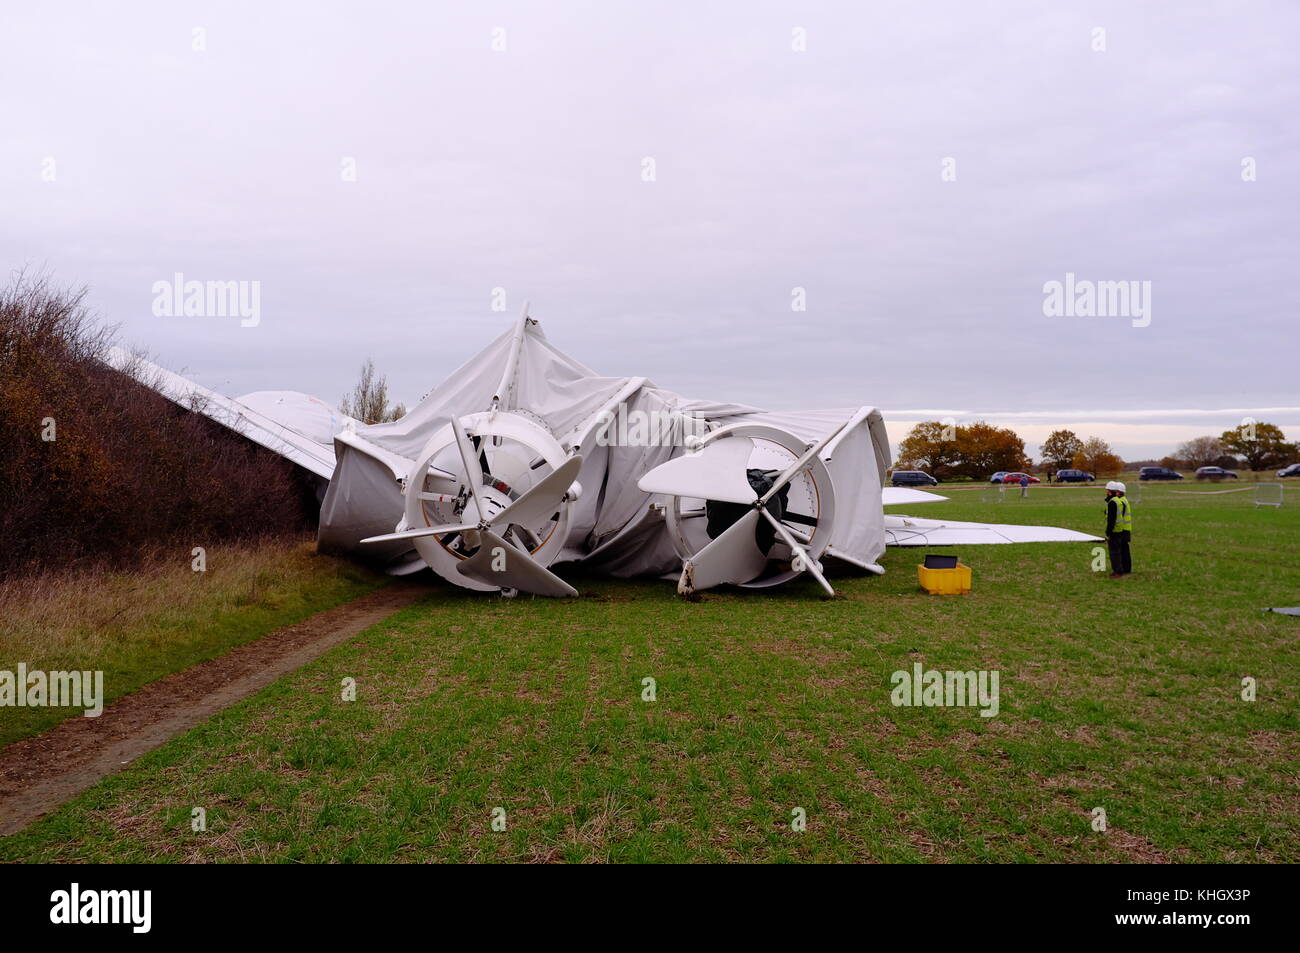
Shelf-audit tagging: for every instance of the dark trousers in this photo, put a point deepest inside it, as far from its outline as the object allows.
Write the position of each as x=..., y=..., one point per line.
x=1121, y=560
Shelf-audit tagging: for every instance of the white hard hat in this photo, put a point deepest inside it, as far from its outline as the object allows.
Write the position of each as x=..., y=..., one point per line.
x=1115, y=485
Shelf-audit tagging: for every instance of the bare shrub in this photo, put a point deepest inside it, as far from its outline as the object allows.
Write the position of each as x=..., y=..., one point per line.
x=127, y=469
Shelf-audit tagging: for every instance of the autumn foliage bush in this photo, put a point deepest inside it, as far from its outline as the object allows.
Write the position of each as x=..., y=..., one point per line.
x=974, y=451
x=127, y=471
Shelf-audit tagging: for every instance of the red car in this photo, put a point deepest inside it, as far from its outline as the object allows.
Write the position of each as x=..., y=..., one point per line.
x=1010, y=478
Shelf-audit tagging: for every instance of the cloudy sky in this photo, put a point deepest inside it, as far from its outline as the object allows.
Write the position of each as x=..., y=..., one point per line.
x=920, y=171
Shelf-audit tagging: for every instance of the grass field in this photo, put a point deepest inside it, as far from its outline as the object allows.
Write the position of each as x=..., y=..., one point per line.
x=139, y=626
x=1119, y=694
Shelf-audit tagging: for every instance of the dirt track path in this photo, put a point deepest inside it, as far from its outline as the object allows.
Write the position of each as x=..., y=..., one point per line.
x=38, y=774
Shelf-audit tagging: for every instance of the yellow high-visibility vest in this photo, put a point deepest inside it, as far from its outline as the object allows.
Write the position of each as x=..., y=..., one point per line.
x=1123, y=515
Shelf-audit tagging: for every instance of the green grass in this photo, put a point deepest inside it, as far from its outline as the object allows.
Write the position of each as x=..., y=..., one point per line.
x=1116, y=694
x=137, y=627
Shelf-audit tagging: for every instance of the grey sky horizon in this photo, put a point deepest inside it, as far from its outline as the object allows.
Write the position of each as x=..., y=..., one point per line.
x=129, y=156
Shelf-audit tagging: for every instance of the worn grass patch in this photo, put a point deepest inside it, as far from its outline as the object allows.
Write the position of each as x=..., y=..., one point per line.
x=1116, y=694
x=139, y=626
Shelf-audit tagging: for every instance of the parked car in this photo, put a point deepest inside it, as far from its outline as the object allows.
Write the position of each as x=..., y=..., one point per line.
x=1003, y=477
x=1292, y=471
x=1215, y=473
x=1073, y=476
x=912, y=478
x=1158, y=473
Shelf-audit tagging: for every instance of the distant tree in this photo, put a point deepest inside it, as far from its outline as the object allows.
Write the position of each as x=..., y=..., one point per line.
x=1096, y=456
x=972, y=451
x=931, y=446
x=984, y=449
x=368, y=401
x=1060, y=448
x=1171, y=463
x=1261, y=445
x=1200, y=452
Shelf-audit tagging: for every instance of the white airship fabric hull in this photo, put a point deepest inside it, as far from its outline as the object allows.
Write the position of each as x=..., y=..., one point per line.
x=624, y=427
x=911, y=531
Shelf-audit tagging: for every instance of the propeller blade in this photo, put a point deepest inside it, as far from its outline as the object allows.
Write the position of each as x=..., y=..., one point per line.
x=417, y=533
x=497, y=563
x=714, y=472
x=732, y=557
x=799, y=464
x=469, y=460
x=482, y=454
x=804, y=561
x=542, y=500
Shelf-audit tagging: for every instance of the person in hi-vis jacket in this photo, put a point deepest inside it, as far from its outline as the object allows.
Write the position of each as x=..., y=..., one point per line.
x=1119, y=530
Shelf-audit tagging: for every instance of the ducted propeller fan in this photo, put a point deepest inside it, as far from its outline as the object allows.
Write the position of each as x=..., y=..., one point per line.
x=487, y=504
x=752, y=505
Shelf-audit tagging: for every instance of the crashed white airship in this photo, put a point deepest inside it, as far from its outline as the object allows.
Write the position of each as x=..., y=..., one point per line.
x=525, y=461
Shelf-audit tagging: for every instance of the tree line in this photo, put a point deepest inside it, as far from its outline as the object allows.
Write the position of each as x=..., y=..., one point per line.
x=975, y=451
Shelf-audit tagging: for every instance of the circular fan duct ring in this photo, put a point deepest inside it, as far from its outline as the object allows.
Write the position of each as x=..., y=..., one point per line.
x=810, y=510
x=525, y=452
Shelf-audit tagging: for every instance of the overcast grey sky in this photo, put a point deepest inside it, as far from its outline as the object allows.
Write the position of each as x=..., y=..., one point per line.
x=129, y=155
